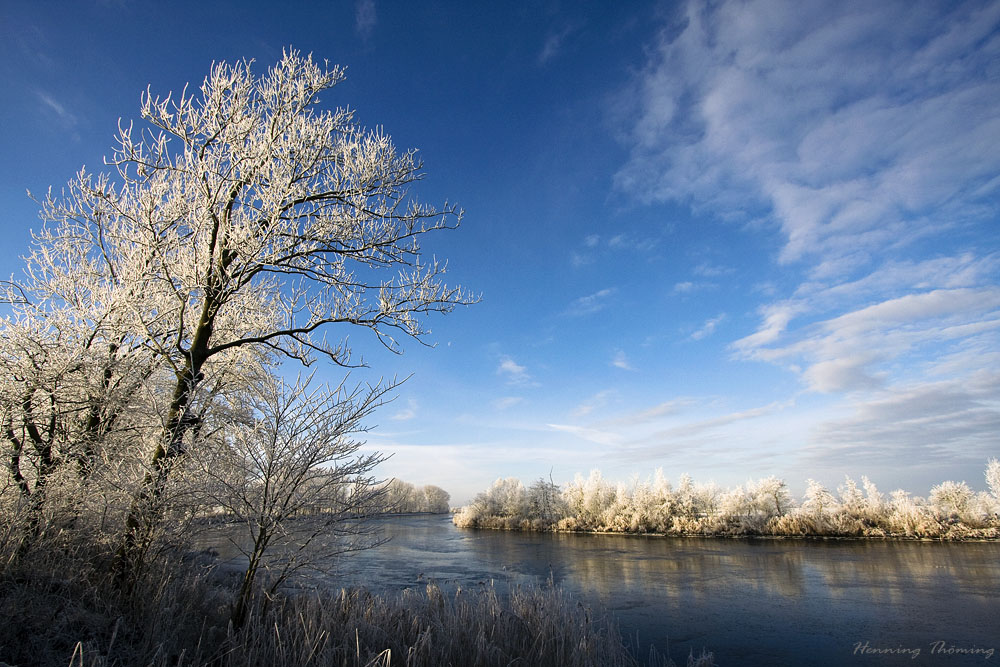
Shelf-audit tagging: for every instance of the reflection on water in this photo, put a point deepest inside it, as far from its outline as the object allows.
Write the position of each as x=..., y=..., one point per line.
x=768, y=602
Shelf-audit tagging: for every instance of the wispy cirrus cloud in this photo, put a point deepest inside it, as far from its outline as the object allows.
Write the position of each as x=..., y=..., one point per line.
x=595, y=246
x=708, y=328
x=407, y=413
x=590, y=304
x=664, y=431
x=864, y=134
x=684, y=287
x=620, y=360
x=595, y=402
x=507, y=402
x=851, y=140
x=365, y=18
x=650, y=414
x=555, y=42
x=53, y=106
x=700, y=427
x=596, y=436
x=513, y=372
x=851, y=350
x=934, y=424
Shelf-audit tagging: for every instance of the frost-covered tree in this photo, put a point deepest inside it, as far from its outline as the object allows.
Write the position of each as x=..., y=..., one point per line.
x=993, y=478
x=403, y=497
x=818, y=500
x=589, y=498
x=852, y=499
x=68, y=384
x=771, y=496
x=875, y=503
x=545, y=500
x=282, y=451
x=508, y=496
x=687, y=502
x=240, y=226
x=952, y=498
x=435, y=499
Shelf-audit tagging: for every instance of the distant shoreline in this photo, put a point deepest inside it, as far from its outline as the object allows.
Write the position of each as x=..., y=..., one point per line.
x=750, y=536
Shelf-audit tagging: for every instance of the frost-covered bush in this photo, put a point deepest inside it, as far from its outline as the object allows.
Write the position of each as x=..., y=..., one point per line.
x=993, y=478
x=818, y=505
x=748, y=509
x=952, y=500
x=589, y=498
x=503, y=505
x=545, y=502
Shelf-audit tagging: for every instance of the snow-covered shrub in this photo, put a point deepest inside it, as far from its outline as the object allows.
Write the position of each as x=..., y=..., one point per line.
x=993, y=479
x=952, y=499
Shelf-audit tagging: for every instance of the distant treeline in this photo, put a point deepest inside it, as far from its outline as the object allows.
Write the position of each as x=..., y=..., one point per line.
x=404, y=497
x=952, y=510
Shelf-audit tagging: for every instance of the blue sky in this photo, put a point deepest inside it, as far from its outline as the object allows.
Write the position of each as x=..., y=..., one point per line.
x=734, y=240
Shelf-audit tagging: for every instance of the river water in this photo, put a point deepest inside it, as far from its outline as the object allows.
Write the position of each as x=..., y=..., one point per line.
x=749, y=601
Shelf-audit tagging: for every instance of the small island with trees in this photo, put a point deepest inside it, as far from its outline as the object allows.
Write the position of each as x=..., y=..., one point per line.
x=952, y=510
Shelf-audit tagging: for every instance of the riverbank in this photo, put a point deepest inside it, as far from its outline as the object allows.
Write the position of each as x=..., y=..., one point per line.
x=789, y=528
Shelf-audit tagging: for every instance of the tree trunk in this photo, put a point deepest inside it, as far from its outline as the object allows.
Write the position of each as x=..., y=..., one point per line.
x=242, y=605
x=146, y=509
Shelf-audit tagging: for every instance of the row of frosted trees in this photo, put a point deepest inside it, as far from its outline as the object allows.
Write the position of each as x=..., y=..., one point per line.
x=952, y=510
x=406, y=498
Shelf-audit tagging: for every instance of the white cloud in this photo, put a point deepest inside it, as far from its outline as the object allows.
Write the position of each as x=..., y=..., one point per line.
x=620, y=360
x=407, y=413
x=708, y=328
x=845, y=351
x=930, y=423
x=630, y=243
x=840, y=374
x=589, y=434
x=597, y=401
x=578, y=259
x=619, y=243
x=67, y=118
x=865, y=134
x=365, y=18
x=707, y=270
x=724, y=435
x=554, y=44
x=507, y=402
x=776, y=319
x=653, y=413
x=513, y=371
x=590, y=304
x=697, y=428
x=684, y=287
x=848, y=137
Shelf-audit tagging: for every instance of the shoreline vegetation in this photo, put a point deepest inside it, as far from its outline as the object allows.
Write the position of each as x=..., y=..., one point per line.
x=761, y=508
